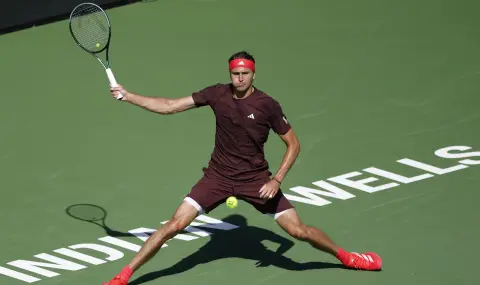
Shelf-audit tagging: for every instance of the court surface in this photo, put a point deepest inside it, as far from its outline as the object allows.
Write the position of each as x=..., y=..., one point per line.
x=365, y=84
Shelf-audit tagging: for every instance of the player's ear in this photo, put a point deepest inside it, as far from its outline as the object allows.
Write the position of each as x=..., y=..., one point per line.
x=254, y=76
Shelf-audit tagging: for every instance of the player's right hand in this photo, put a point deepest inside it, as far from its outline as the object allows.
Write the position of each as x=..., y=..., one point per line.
x=116, y=91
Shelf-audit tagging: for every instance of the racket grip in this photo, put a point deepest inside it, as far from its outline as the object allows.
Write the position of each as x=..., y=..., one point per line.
x=113, y=82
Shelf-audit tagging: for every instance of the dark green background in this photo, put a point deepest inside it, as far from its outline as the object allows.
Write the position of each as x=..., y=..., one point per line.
x=364, y=83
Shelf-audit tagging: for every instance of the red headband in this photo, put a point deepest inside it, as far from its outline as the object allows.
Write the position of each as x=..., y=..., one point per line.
x=242, y=62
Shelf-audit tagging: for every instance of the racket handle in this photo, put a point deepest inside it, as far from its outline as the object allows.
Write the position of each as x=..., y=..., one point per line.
x=113, y=82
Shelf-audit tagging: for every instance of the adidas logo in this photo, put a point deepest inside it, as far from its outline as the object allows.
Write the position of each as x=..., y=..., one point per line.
x=241, y=63
x=364, y=256
x=251, y=116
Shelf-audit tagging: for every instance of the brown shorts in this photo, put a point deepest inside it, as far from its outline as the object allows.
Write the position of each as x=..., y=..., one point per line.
x=212, y=190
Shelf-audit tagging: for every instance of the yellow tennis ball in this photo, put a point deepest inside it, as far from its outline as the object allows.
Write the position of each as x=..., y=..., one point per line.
x=232, y=202
x=97, y=45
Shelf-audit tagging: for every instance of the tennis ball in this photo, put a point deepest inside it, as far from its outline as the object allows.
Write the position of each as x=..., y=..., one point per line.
x=97, y=45
x=232, y=202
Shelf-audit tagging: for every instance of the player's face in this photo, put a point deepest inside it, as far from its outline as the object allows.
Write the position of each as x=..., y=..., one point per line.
x=242, y=78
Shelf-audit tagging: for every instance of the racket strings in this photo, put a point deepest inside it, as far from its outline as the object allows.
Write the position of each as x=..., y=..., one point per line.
x=90, y=27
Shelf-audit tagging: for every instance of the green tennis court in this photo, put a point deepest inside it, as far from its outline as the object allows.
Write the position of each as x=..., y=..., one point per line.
x=384, y=96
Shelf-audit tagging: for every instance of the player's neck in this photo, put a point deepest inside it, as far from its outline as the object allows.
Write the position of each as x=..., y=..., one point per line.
x=243, y=94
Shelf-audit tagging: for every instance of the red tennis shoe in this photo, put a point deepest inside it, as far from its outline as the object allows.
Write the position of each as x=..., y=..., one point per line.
x=121, y=278
x=117, y=280
x=362, y=261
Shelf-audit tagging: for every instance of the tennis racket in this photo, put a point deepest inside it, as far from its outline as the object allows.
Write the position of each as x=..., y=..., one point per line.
x=90, y=28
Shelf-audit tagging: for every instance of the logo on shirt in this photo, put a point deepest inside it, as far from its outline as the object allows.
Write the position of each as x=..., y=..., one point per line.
x=285, y=120
x=251, y=116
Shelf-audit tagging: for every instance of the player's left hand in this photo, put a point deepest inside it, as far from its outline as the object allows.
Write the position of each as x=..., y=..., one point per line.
x=269, y=190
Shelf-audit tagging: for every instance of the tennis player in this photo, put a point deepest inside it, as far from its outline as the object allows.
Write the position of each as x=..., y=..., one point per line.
x=244, y=116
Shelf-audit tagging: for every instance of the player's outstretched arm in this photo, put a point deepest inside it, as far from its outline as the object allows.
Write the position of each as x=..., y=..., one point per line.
x=164, y=106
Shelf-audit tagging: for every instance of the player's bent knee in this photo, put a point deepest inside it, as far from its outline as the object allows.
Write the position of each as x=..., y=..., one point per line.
x=299, y=232
x=173, y=227
x=181, y=219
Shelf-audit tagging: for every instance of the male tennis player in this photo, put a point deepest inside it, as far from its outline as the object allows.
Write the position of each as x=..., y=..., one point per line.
x=244, y=116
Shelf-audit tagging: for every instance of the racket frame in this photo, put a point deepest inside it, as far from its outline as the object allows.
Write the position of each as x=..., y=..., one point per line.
x=106, y=65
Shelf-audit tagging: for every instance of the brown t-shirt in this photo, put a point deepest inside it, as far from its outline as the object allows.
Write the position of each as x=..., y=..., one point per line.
x=242, y=128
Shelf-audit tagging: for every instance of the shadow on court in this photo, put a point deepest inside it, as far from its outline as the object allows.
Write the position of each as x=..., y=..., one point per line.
x=94, y=214
x=244, y=242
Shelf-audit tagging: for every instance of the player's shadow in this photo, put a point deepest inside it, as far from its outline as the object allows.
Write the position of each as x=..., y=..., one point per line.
x=244, y=242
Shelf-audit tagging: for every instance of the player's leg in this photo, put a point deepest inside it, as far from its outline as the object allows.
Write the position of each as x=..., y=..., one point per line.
x=182, y=217
x=287, y=217
x=290, y=222
x=205, y=196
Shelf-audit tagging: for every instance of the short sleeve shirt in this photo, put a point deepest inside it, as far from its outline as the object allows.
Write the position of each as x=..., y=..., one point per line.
x=242, y=128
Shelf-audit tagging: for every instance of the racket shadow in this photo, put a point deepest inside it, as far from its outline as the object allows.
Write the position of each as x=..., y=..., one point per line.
x=95, y=215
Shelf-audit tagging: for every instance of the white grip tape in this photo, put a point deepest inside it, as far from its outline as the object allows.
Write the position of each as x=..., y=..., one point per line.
x=112, y=80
